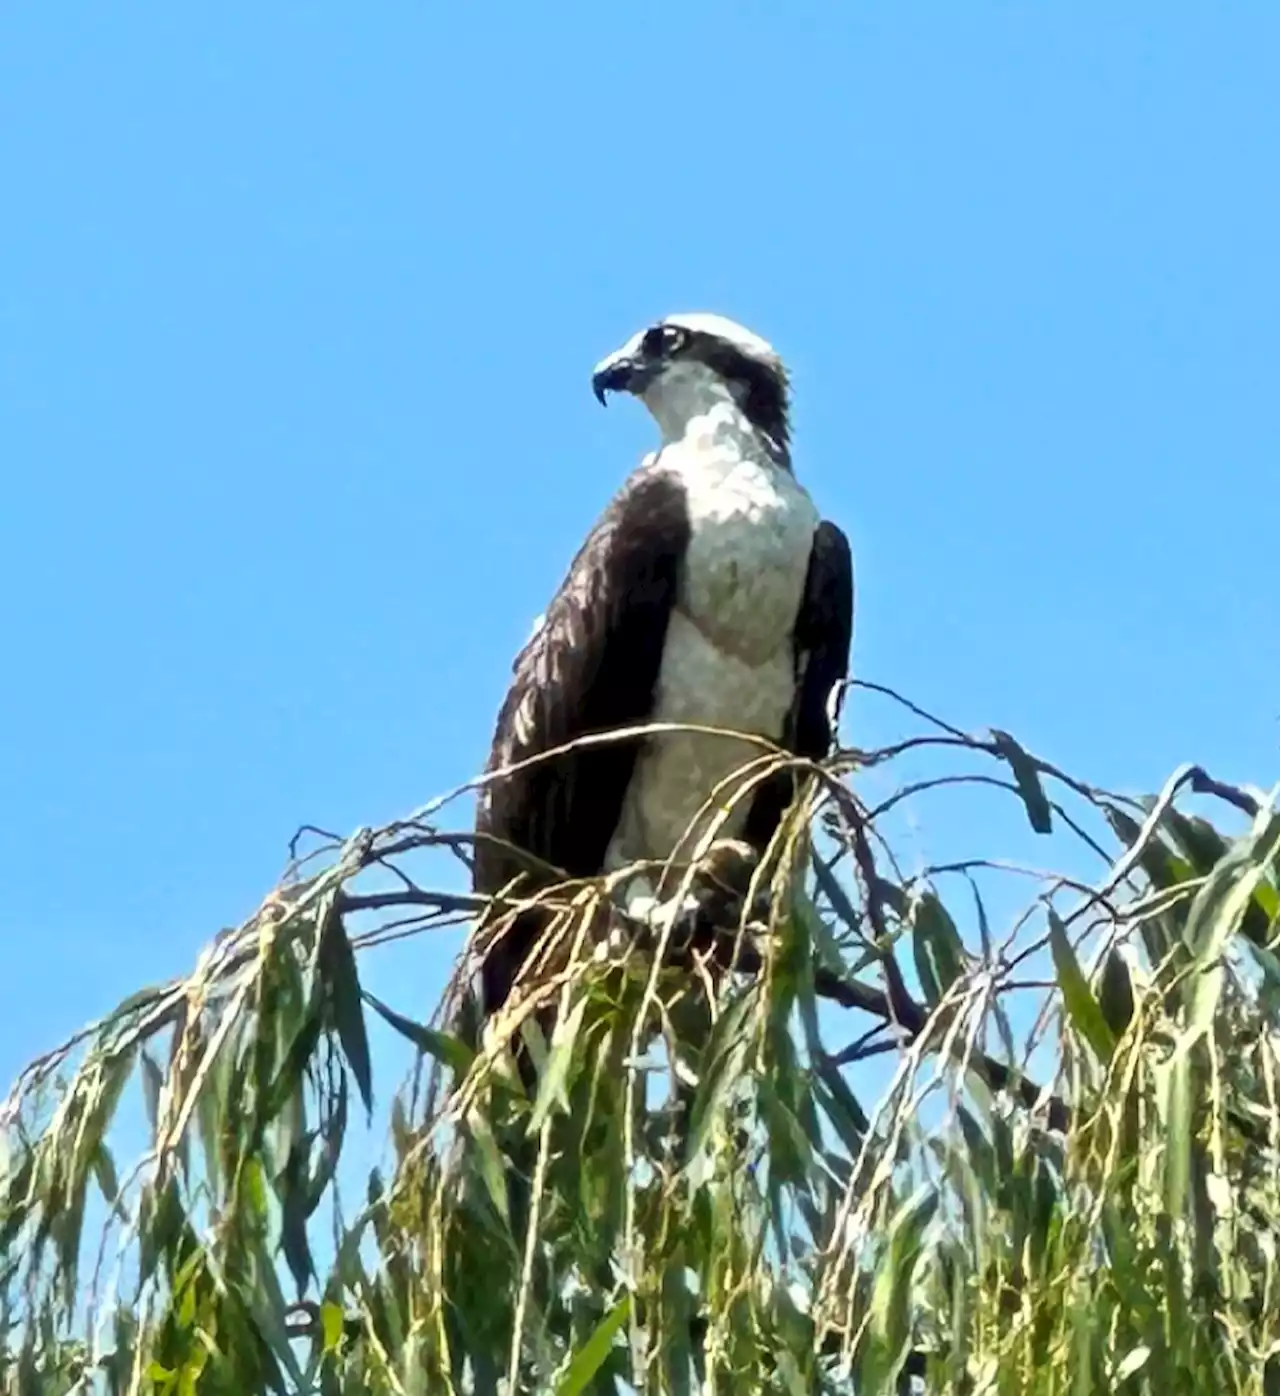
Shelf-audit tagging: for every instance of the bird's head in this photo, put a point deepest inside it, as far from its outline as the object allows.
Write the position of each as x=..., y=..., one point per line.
x=681, y=367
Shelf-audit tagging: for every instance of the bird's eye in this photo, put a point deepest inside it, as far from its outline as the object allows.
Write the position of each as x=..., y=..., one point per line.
x=663, y=341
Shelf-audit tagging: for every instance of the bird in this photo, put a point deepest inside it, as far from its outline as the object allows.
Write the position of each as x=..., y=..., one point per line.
x=710, y=591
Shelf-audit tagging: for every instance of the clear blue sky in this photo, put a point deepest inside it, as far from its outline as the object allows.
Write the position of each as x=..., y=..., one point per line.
x=298, y=305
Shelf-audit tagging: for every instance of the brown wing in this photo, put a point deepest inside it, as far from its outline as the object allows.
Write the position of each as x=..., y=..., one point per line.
x=591, y=667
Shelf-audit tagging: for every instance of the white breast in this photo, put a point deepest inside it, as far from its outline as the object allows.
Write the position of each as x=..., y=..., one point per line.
x=728, y=660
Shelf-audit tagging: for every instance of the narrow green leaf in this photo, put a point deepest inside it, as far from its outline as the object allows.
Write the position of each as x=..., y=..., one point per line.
x=982, y=1157
x=152, y=1081
x=1028, y=779
x=1202, y=844
x=1115, y=993
x=293, y=1216
x=265, y=1301
x=1218, y=905
x=592, y=1355
x=936, y=946
x=287, y=1082
x=678, y=1314
x=108, y=1179
x=830, y=886
x=976, y=1199
x=490, y=1161
x=339, y=966
x=1216, y=913
x=1219, y=908
x=930, y=989
x=1082, y=1007
x=444, y=1047
x=1177, y=1079
x=722, y=1056
x=161, y=1221
x=14, y=1202
x=984, y=923
x=551, y=1089
x=331, y=1323
x=332, y=1134
x=789, y=1150
x=1157, y=859
x=892, y=1289
x=847, y=1116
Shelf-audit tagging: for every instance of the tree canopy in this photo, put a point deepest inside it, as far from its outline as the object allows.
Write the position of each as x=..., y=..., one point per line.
x=892, y=1137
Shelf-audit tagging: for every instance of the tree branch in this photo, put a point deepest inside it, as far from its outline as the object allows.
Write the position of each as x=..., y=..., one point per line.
x=912, y=1019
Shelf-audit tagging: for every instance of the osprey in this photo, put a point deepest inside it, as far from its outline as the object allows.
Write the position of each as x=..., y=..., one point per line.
x=709, y=592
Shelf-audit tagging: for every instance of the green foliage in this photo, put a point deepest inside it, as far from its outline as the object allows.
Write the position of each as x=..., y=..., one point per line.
x=703, y=1194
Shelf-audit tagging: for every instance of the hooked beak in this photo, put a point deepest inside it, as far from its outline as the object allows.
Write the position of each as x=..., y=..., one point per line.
x=627, y=370
x=616, y=374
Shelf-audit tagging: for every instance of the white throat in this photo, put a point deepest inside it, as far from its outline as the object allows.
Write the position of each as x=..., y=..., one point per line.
x=692, y=404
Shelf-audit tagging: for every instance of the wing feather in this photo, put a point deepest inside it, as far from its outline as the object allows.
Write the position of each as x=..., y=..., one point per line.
x=591, y=666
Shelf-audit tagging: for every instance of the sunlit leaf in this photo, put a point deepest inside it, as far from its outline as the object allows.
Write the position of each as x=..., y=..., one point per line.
x=1086, y=1015
x=443, y=1046
x=890, y=1305
x=551, y=1085
x=936, y=945
x=1132, y=1362
x=589, y=1358
x=331, y=1326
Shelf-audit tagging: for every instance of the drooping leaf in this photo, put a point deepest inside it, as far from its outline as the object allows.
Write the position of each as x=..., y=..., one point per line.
x=490, y=1162
x=1202, y=844
x=551, y=1086
x=332, y=1133
x=788, y=1147
x=108, y=1179
x=1082, y=1008
x=343, y=980
x=331, y=1325
x=265, y=1301
x=444, y=1047
x=891, y=1295
x=936, y=947
x=847, y=1116
x=1157, y=859
x=1115, y=993
x=152, y=1081
x=722, y=1058
x=1028, y=780
x=294, y=1198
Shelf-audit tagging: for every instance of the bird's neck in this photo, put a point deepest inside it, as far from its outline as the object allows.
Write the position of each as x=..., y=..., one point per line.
x=698, y=410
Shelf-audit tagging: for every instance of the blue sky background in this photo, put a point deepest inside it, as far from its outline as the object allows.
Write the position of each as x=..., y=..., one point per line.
x=298, y=305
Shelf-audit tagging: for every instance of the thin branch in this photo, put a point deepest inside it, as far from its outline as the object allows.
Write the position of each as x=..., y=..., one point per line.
x=415, y=896
x=999, y=1076
x=909, y=705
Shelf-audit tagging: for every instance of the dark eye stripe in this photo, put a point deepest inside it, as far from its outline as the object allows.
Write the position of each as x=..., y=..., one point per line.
x=662, y=341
